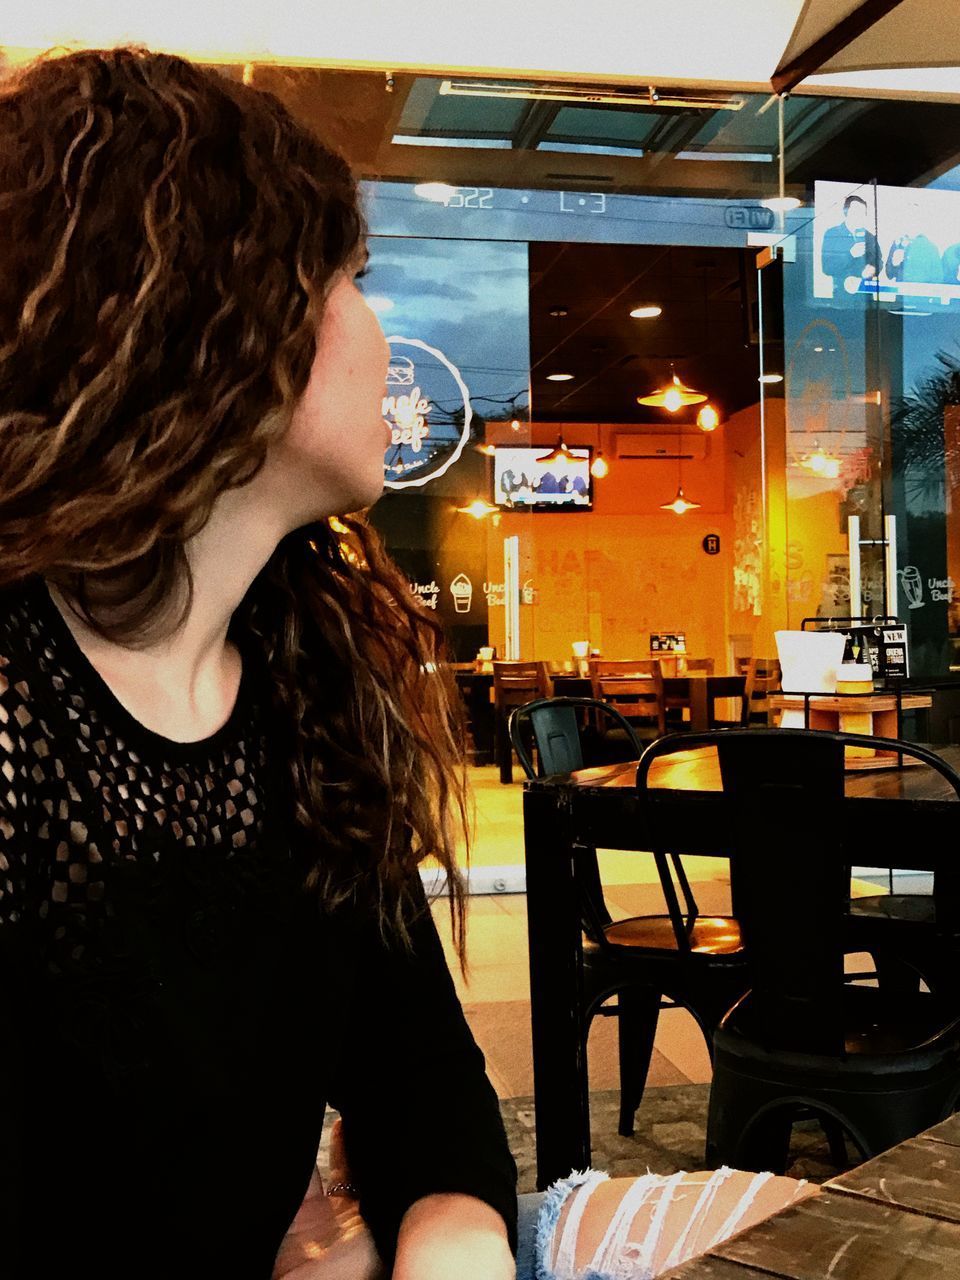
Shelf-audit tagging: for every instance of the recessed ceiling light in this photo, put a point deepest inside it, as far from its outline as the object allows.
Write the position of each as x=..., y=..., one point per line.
x=559, y=312
x=438, y=192
x=559, y=377
x=646, y=313
x=770, y=377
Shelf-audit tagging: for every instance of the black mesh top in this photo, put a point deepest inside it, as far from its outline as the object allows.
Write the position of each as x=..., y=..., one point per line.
x=176, y=1010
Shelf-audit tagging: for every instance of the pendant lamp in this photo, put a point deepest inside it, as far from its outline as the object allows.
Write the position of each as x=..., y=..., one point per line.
x=680, y=504
x=673, y=396
x=708, y=419
x=478, y=509
x=559, y=453
x=821, y=463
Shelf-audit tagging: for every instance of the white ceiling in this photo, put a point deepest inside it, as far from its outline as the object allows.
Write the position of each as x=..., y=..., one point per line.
x=649, y=41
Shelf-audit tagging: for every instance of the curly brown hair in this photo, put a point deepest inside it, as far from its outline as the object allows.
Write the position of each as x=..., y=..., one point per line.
x=169, y=238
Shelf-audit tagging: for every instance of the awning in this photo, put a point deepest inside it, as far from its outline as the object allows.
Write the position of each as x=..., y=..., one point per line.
x=901, y=46
x=838, y=37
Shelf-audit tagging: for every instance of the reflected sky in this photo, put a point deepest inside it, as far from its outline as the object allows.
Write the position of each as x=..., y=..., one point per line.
x=467, y=298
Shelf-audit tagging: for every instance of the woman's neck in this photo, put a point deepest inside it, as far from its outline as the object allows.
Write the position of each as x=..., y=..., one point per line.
x=184, y=686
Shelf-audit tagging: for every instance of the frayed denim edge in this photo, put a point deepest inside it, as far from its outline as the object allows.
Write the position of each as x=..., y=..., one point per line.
x=550, y=1210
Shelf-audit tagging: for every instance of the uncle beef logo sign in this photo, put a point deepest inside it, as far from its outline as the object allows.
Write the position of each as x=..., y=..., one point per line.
x=427, y=408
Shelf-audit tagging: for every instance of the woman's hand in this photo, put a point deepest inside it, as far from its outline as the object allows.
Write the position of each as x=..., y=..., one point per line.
x=328, y=1240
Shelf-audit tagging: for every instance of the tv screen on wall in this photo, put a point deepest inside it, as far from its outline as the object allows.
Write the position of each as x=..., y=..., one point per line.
x=527, y=478
x=898, y=244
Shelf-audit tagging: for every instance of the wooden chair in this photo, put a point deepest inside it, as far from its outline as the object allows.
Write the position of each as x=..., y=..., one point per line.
x=638, y=698
x=763, y=678
x=624, y=667
x=742, y=665
x=704, y=665
x=676, y=703
x=514, y=685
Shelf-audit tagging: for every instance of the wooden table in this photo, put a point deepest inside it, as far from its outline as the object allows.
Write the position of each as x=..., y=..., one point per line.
x=912, y=812
x=880, y=714
x=894, y=1218
x=697, y=690
x=476, y=689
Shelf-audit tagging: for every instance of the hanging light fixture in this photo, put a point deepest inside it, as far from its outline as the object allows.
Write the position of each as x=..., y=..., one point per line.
x=680, y=503
x=559, y=453
x=708, y=419
x=599, y=467
x=479, y=509
x=673, y=396
x=822, y=464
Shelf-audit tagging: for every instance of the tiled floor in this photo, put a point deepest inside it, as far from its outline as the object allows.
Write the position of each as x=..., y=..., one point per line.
x=496, y=990
x=496, y=1000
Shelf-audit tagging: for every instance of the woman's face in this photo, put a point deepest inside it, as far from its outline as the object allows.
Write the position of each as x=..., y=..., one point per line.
x=332, y=454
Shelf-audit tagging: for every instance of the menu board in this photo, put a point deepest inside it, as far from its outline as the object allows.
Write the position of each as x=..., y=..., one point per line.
x=668, y=642
x=887, y=647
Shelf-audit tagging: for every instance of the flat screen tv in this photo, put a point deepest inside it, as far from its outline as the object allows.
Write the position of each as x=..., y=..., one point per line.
x=900, y=245
x=525, y=479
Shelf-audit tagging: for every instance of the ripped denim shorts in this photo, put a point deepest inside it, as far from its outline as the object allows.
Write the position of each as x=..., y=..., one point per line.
x=682, y=1216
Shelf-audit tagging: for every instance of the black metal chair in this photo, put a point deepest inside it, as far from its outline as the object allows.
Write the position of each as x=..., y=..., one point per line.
x=912, y=936
x=879, y=1066
x=647, y=962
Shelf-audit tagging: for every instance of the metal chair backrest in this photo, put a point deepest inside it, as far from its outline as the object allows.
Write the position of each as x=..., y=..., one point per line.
x=556, y=724
x=783, y=827
x=556, y=727
x=763, y=678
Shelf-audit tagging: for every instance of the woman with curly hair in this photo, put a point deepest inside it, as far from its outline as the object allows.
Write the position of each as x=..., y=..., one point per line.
x=225, y=742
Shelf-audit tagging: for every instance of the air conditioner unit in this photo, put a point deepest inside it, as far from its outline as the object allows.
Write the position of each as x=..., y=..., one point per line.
x=650, y=446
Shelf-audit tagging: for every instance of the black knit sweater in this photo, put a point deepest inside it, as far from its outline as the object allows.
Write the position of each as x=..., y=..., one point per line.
x=176, y=1010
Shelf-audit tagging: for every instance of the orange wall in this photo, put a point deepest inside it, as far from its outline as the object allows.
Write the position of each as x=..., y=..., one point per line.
x=627, y=568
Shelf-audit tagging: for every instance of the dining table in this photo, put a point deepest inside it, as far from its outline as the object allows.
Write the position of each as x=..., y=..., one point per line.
x=696, y=690
x=906, y=818
x=896, y=1217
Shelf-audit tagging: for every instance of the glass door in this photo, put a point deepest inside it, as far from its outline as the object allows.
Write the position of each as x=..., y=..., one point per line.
x=824, y=387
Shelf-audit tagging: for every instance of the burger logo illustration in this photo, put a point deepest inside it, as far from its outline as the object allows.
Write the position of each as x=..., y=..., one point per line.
x=400, y=372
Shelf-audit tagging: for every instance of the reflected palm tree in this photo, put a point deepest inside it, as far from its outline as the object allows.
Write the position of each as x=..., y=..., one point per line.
x=929, y=456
